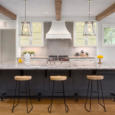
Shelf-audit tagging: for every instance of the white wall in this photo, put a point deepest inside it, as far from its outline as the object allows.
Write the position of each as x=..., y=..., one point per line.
x=7, y=23
x=107, y=52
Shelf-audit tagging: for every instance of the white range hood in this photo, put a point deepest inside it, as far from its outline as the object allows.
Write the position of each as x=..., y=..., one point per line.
x=58, y=30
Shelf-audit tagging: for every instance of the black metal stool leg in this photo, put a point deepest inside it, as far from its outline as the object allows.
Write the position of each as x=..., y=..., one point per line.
x=91, y=95
x=98, y=91
x=15, y=96
x=103, y=105
x=27, y=85
x=30, y=95
x=66, y=106
x=99, y=86
x=86, y=100
x=50, y=106
x=89, y=91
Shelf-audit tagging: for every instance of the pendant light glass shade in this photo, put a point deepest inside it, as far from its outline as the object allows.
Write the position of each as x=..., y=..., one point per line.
x=25, y=26
x=26, y=29
x=89, y=28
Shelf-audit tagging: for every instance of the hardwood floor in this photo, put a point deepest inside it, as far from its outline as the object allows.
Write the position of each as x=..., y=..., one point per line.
x=41, y=108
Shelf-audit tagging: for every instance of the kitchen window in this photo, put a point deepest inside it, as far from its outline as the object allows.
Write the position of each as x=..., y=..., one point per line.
x=36, y=39
x=109, y=35
x=79, y=39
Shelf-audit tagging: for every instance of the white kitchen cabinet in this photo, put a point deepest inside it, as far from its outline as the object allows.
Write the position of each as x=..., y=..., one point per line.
x=79, y=39
x=37, y=38
x=7, y=45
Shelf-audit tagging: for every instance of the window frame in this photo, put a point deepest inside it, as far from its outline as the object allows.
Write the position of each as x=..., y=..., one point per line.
x=104, y=26
x=30, y=41
x=74, y=36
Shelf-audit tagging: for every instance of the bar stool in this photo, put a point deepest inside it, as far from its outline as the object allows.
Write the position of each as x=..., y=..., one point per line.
x=19, y=80
x=98, y=79
x=58, y=79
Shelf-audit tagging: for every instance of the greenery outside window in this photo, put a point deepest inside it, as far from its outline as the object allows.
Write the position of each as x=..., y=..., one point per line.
x=79, y=39
x=109, y=35
x=37, y=38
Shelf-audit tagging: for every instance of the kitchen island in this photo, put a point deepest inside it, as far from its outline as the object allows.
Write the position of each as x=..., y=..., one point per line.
x=40, y=71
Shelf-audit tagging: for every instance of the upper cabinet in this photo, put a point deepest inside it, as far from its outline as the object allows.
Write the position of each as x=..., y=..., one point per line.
x=79, y=39
x=109, y=35
x=37, y=38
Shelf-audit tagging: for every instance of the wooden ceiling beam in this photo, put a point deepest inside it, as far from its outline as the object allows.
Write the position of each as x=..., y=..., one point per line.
x=58, y=5
x=106, y=12
x=7, y=12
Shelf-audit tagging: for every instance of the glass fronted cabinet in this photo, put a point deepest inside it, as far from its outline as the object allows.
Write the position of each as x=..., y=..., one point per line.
x=37, y=38
x=81, y=40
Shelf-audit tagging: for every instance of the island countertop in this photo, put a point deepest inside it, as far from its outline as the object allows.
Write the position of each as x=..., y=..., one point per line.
x=73, y=65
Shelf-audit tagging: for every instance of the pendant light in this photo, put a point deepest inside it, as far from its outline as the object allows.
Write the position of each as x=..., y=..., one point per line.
x=26, y=25
x=89, y=27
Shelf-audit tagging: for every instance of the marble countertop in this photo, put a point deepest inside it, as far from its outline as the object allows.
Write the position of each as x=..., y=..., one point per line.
x=70, y=57
x=70, y=65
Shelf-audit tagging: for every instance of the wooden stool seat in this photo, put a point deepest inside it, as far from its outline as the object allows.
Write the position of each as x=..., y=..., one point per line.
x=23, y=78
x=58, y=78
x=95, y=77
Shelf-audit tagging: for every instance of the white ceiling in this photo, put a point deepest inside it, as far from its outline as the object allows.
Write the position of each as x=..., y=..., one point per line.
x=112, y=16
x=70, y=8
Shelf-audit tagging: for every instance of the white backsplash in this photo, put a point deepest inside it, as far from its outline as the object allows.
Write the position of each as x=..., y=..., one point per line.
x=57, y=50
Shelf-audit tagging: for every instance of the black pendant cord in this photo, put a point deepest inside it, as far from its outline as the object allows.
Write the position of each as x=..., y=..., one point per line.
x=89, y=8
x=25, y=10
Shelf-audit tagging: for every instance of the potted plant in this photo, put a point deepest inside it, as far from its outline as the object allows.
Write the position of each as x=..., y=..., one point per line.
x=100, y=57
x=24, y=53
x=32, y=53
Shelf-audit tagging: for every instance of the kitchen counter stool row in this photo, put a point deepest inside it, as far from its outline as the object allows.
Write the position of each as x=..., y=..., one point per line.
x=57, y=79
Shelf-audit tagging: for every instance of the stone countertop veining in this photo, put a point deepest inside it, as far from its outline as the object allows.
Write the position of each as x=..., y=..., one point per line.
x=71, y=65
x=70, y=57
